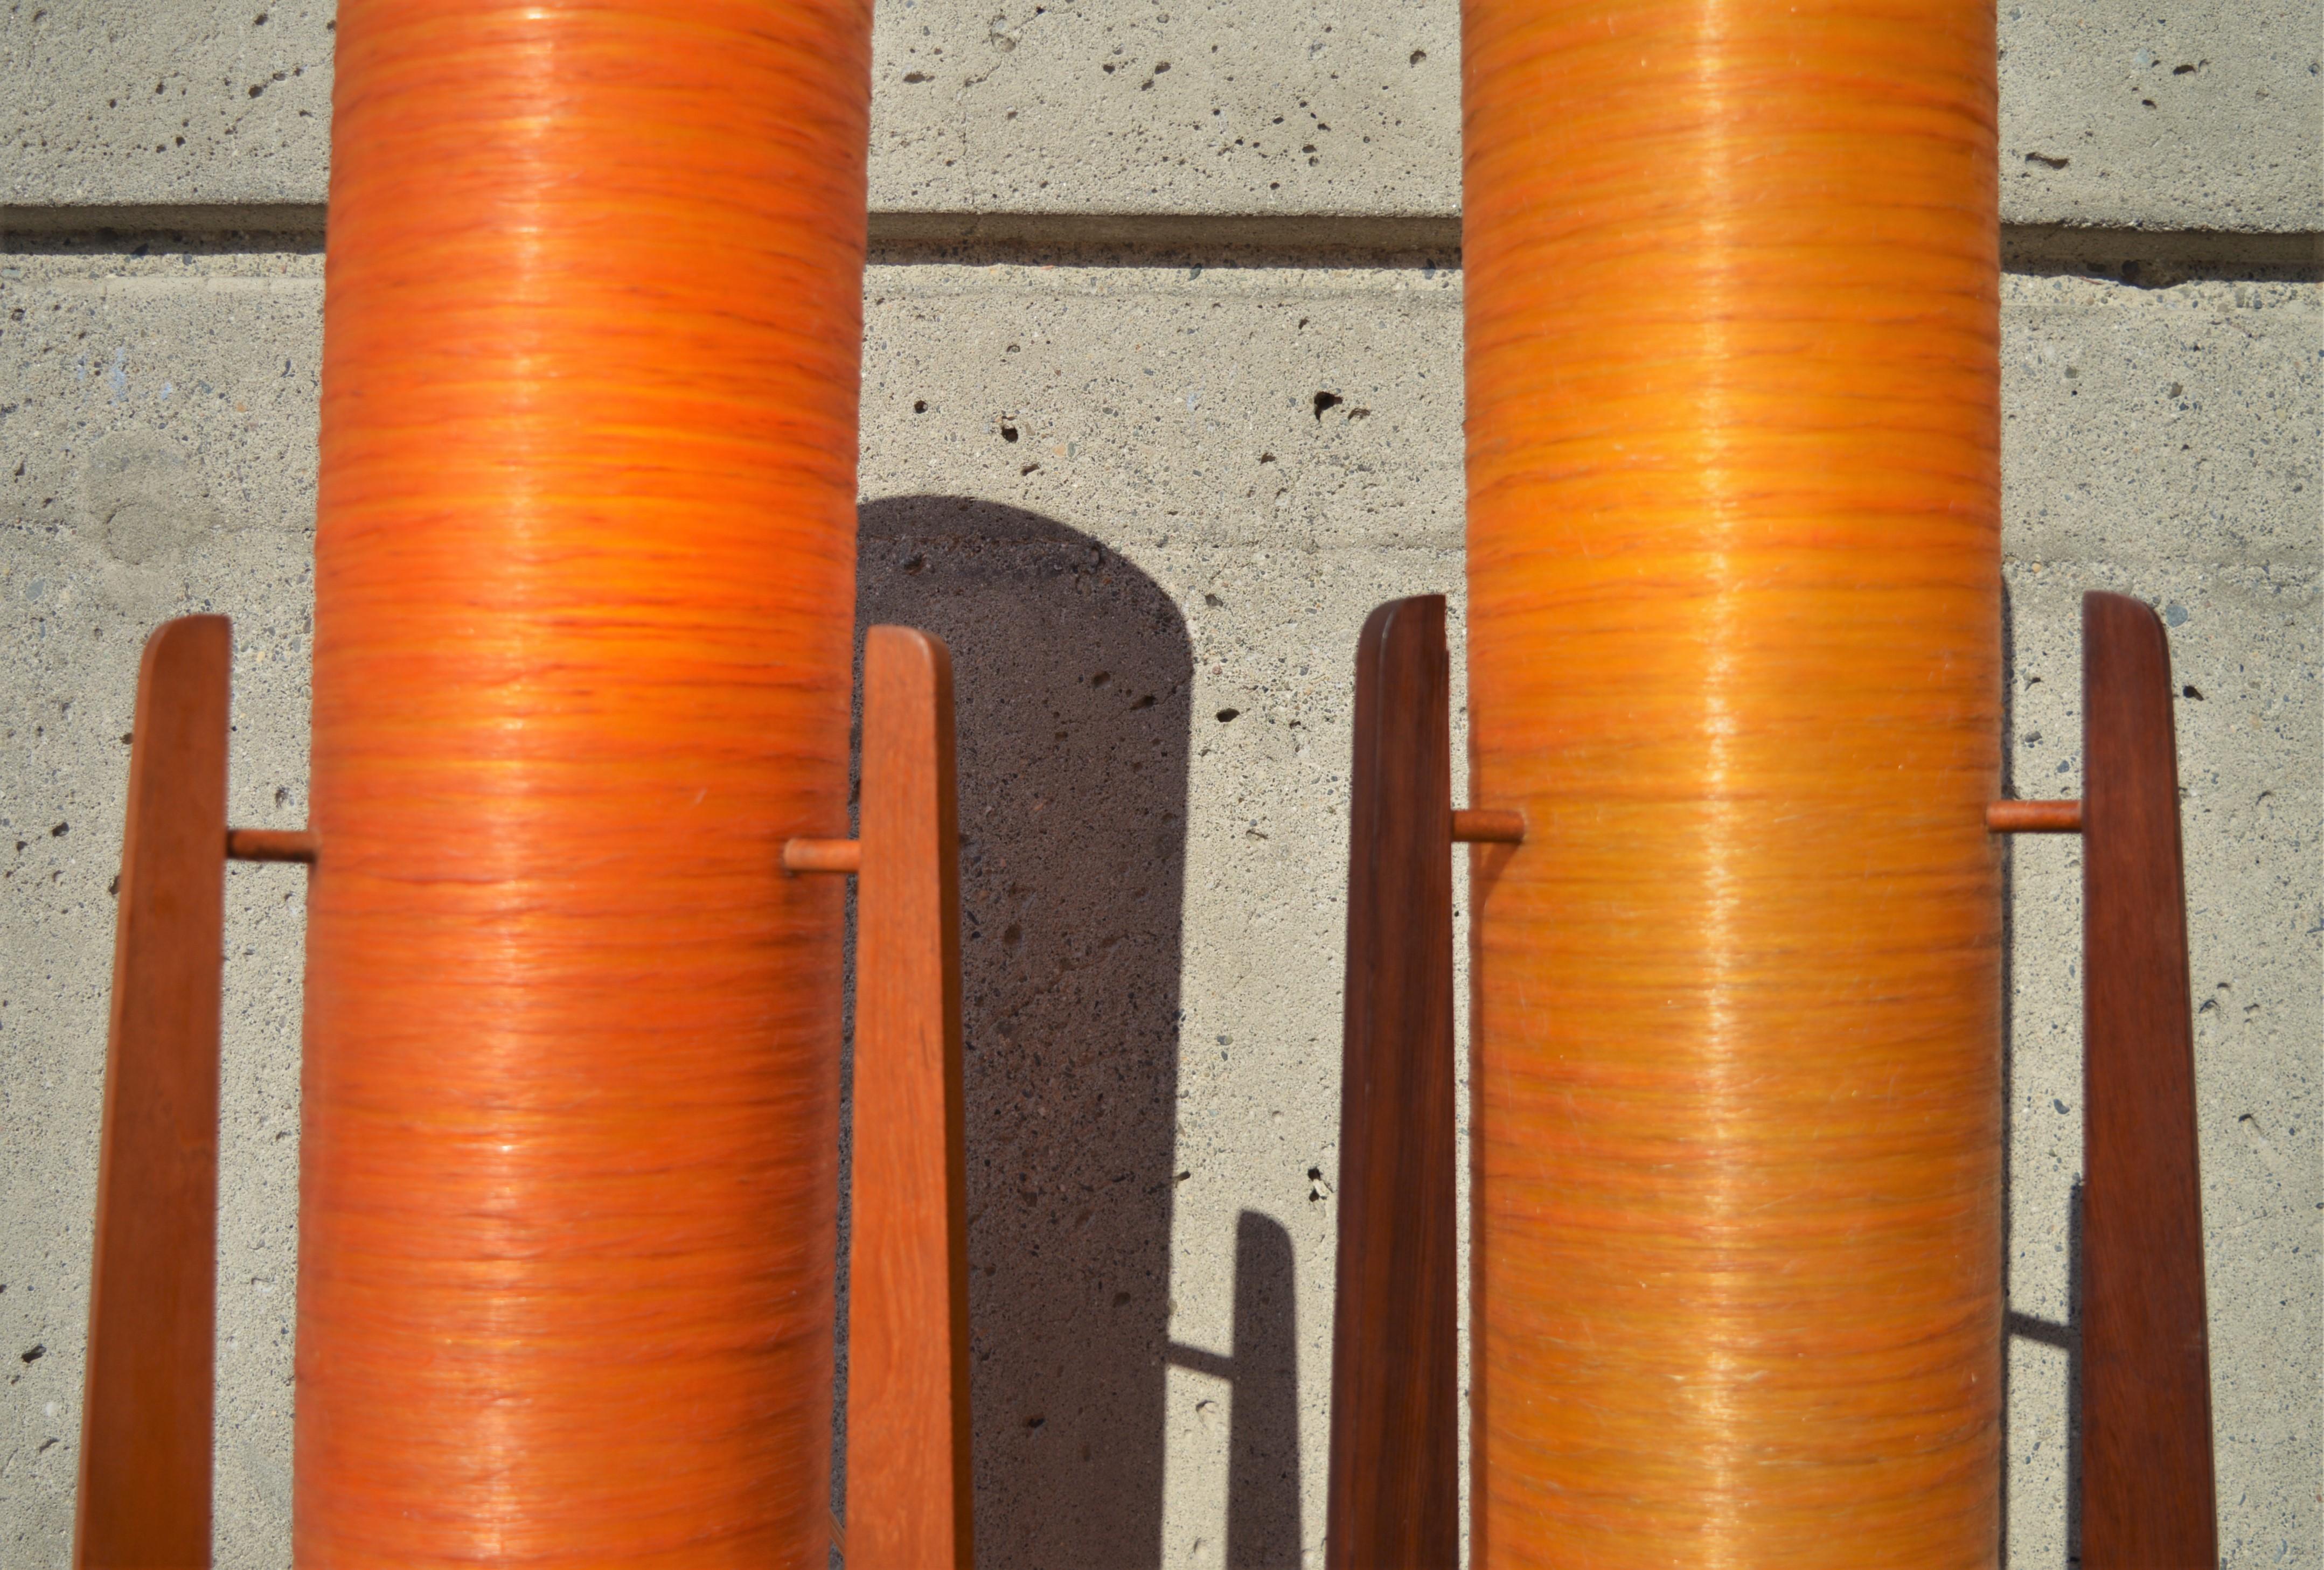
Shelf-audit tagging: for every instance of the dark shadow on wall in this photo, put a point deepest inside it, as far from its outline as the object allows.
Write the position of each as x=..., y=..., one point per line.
x=1072, y=673
x=1263, y=1374
x=2067, y=1338
x=1263, y=1433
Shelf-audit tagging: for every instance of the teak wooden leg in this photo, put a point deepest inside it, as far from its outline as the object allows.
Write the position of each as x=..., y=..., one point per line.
x=2148, y=1494
x=908, y=1413
x=144, y=1494
x=1394, y=1501
x=2147, y=1486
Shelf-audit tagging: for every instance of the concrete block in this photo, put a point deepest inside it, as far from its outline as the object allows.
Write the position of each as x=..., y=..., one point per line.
x=2109, y=116
x=2172, y=424
x=2209, y=118
x=1196, y=107
x=1328, y=108
x=176, y=103
x=1148, y=507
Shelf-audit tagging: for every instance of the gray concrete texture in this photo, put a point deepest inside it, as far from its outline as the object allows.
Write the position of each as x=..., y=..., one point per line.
x=1105, y=477
x=2211, y=117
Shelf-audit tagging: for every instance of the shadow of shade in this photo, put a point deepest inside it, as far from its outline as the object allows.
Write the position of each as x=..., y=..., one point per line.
x=1071, y=675
x=1263, y=1443
x=2067, y=1338
x=2064, y=1338
x=1262, y=1372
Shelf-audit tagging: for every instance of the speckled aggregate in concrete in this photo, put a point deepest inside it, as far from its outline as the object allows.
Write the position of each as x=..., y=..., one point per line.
x=2204, y=116
x=183, y=103
x=2209, y=117
x=1114, y=491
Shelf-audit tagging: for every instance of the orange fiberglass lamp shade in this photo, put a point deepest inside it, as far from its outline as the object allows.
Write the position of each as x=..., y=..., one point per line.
x=584, y=585
x=1732, y=281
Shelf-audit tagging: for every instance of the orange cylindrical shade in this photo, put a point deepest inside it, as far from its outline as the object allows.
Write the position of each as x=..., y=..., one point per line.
x=584, y=585
x=1732, y=280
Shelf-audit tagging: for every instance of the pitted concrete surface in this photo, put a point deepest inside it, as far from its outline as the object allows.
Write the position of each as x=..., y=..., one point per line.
x=2209, y=118
x=1195, y=105
x=190, y=102
x=1148, y=507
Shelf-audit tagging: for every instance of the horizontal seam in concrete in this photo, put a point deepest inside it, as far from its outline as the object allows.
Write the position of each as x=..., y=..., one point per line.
x=1310, y=236
x=204, y=219
x=1345, y=232
x=2047, y=247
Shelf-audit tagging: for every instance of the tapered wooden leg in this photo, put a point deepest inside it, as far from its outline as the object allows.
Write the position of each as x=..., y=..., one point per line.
x=144, y=1496
x=1394, y=1500
x=2147, y=1488
x=908, y=1412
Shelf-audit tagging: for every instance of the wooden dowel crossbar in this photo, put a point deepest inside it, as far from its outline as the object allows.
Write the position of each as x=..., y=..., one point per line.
x=1394, y=1493
x=144, y=1490
x=2034, y=817
x=1486, y=826
x=844, y=856
x=2148, y=1493
x=270, y=845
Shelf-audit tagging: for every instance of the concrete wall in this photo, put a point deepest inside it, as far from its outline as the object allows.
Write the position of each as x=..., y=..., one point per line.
x=1106, y=297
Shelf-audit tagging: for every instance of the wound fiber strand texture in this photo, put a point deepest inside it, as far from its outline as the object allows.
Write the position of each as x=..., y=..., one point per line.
x=1732, y=283
x=584, y=592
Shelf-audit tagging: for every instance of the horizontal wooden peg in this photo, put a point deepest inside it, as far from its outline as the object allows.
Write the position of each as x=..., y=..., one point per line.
x=822, y=856
x=2034, y=817
x=271, y=845
x=1488, y=826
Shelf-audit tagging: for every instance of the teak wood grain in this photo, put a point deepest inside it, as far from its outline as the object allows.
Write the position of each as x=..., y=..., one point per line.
x=1393, y=1503
x=2034, y=817
x=2147, y=1486
x=271, y=845
x=144, y=1494
x=908, y=1412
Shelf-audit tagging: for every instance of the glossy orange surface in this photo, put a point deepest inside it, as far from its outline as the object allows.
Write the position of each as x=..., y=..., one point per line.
x=1731, y=287
x=584, y=587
